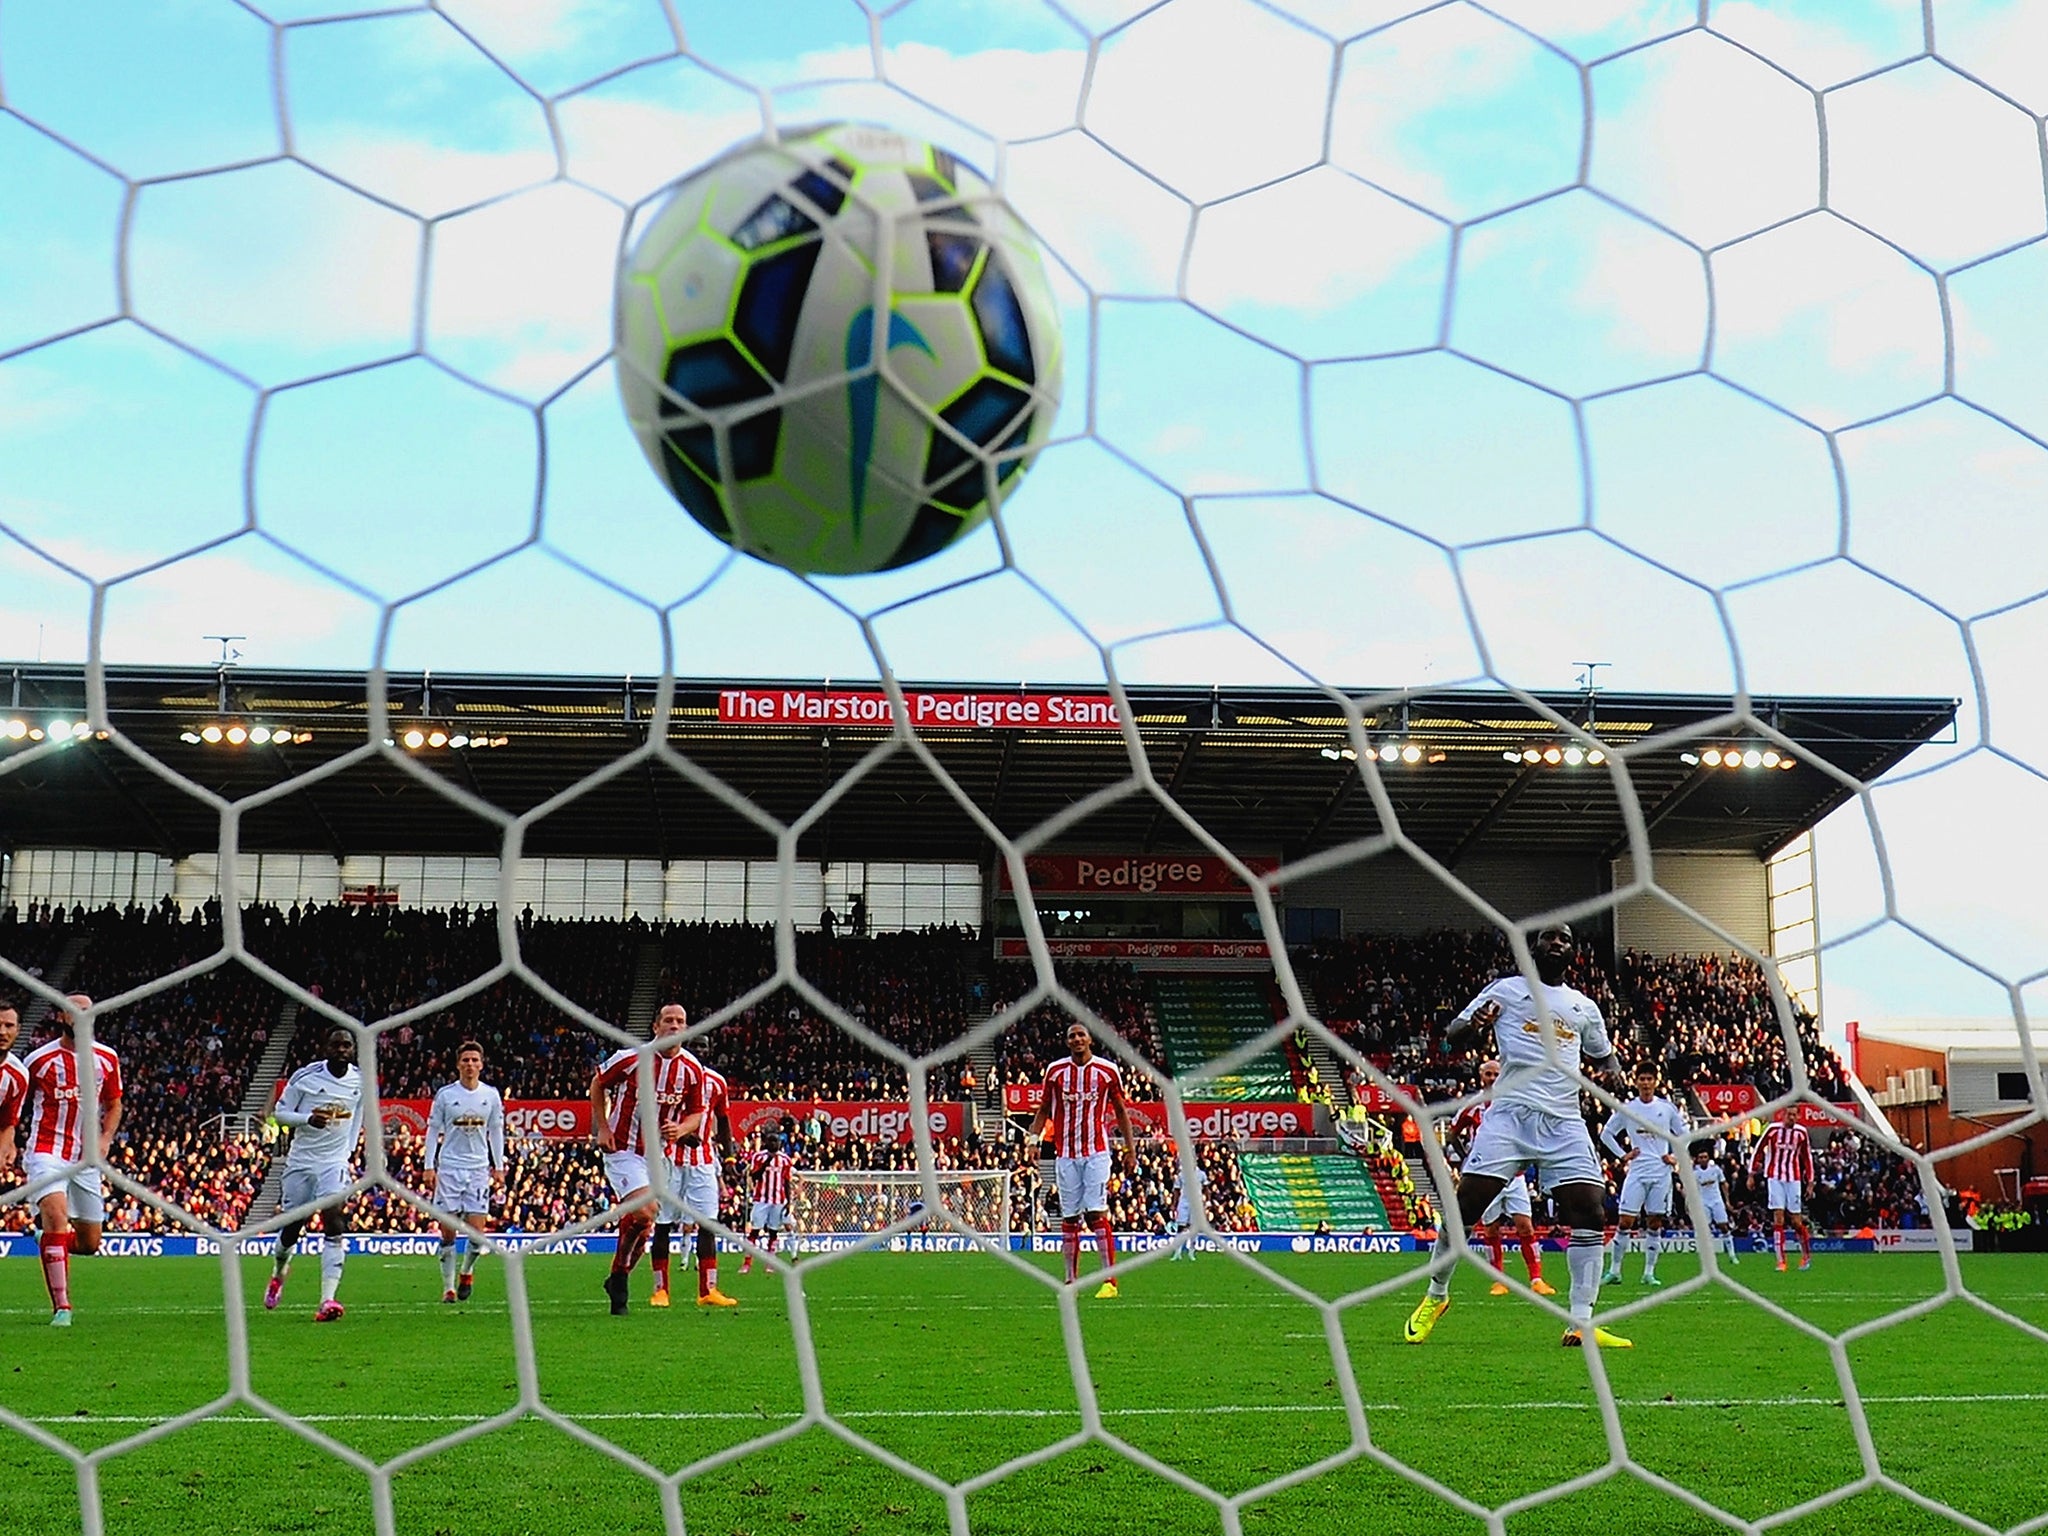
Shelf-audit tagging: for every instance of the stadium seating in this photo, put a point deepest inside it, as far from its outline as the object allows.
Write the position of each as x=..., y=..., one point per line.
x=1295, y=1193
x=1204, y=1017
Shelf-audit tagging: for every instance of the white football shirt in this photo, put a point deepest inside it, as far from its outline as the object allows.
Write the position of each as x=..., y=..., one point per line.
x=466, y=1129
x=1653, y=1129
x=330, y=1145
x=1526, y=1076
x=1711, y=1180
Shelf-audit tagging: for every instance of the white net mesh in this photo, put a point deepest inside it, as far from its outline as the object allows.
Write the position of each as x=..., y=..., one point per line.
x=1433, y=342
x=875, y=1202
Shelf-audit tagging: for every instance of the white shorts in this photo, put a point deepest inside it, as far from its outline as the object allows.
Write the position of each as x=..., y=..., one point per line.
x=1180, y=1213
x=83, y=1194
x=768, y=1216
x=1646, y=1189
x=626, y=1172
x=1512, y=1136
x=1715, y=1209
x=1784, y=1196
x=1510, y=1202
x=315, y=1187
x=696, y=1187
x=464, y=1191
x=1083, y=1184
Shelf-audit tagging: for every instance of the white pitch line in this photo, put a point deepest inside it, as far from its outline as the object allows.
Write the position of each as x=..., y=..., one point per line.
x=1915, y=1399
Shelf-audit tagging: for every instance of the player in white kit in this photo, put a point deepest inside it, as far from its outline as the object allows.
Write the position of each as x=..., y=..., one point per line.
x=1187, y=1199
x=1656, y=1130
x=1714, y=1201
x=323, y=1104
x=465, y=1162
x=1534, y=1119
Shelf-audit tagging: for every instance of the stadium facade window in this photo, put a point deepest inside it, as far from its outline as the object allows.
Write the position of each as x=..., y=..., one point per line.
x=1795, y=917
x=893, y=895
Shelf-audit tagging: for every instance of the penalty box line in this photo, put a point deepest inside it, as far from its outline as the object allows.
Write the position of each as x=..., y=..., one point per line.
x=681, y=1416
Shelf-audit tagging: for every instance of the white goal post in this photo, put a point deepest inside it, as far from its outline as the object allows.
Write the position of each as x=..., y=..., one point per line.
x=867, y=1200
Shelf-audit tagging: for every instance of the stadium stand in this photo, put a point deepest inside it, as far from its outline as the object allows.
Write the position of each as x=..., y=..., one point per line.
x=1204, y=1017
x=1296, y=1193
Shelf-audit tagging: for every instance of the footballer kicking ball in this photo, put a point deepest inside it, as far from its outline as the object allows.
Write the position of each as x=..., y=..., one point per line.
x=839, y=350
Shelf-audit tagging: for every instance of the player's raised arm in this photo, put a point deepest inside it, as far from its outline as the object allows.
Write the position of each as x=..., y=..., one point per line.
x=294, y=1109
x=1478, y=1015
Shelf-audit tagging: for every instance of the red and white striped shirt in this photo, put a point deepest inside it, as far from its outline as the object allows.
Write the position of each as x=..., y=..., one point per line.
x=1785, y=1153
x=771, y=1171
x=715, y=1102
x=1079, y=1099
x=56, y=1111
x=13, y=1090
x=678, y=1091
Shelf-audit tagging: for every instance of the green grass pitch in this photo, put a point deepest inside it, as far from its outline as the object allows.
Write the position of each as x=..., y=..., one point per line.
x=955, y=1362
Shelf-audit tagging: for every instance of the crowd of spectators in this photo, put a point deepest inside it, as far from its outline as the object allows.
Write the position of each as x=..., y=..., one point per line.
x=1114, y=992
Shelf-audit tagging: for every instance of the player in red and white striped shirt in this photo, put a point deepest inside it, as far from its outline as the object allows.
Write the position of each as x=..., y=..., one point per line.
x=1512, y=1206
x=56, y=1140
x=13, y=1084
x=678, y=1086
x=694, y=1159
x=1081, y=1092
x=1784, y=1156
x=769, y=1169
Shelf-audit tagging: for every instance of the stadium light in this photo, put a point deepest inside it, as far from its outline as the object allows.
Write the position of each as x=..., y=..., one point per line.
x=1574, y=755
x=16, y=729
x=1411, y=753
x=260, y=734
x=210, y=734
x=1333, y=754
x=463, y=741
x=1531, y=755
x=437, y=738
x=1389, y=752
x=1787, y=762
x=1690, y=759
x=1595, y=756
x=35, y=733
x=237, y=734
x=1510, y=755
x=1731, y=758
x=190, y=738
x=415, y=738
x=1711, y=757
x=60, y=730
x=1553, y=756
x=1771, y=758
x=1752, y=758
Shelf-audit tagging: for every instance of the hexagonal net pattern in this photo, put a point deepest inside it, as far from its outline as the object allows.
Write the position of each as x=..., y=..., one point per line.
x=1636, y=326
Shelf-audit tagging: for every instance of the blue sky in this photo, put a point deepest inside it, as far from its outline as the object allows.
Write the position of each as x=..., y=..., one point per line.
x=1411, y=345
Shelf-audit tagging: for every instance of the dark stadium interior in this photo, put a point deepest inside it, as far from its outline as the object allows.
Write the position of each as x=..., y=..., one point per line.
x=1262, y=769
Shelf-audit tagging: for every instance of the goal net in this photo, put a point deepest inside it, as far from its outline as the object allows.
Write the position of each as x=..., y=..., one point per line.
x=1494, y=350
x=822, y=1203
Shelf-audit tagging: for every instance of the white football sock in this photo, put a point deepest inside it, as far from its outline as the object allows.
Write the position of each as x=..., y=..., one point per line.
x=447, y=1266
x=1653, y=1244
x=1582, y=1258
x=333, y=1254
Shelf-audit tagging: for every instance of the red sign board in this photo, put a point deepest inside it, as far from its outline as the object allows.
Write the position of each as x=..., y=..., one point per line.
x=1139, y=949
x=927, y=711
x=1206, y=1122
x=1126, y=874
x=1724, y=1100
x=1380, y=1102
x=874, y=1122
x=525, y=1119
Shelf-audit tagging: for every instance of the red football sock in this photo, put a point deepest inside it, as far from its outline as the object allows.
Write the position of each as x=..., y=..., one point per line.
x=634, y=1228
x=1070, y=1245
x=56, y=1250
x=1806, y=1242
x=1493, y=1244
x=707, y=1263
x=1532, y=1256
x=1105, y=1241
x=660, y=1274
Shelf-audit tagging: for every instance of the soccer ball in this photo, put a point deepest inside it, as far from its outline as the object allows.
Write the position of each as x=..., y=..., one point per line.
x=775, y=405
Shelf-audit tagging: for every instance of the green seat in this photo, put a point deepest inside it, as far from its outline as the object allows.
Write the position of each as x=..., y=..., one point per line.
x=1292, y=1193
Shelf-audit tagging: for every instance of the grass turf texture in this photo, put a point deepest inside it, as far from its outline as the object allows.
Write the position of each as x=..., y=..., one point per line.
x=955, y=1362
